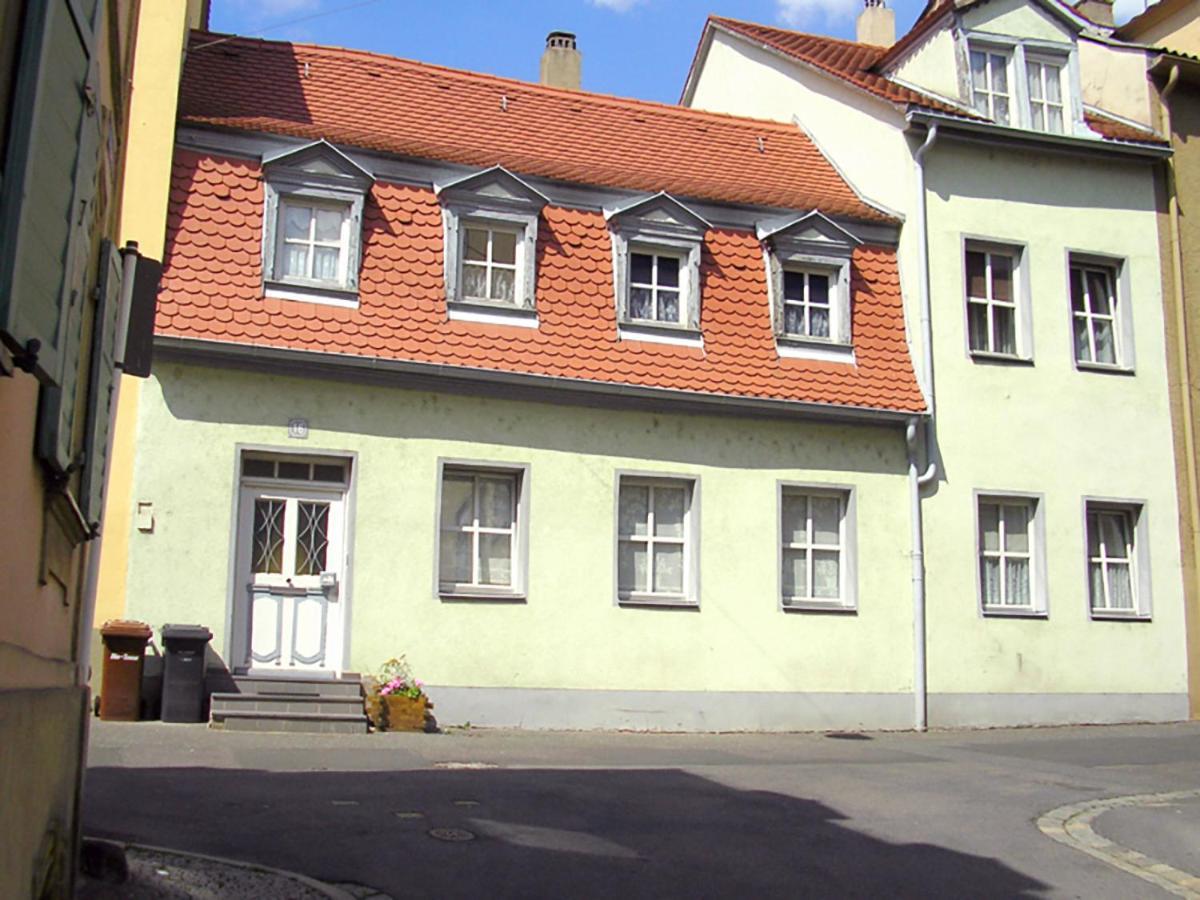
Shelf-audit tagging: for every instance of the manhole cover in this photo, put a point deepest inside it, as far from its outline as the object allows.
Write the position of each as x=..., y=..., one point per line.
x=456, y=835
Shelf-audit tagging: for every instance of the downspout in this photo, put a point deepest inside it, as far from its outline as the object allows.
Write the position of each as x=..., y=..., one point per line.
x=916, y=478
x=1181, y=335
x=83, y=637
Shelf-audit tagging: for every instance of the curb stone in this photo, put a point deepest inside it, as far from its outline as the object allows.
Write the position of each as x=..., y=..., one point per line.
x=1072, y=825
x=331, y=891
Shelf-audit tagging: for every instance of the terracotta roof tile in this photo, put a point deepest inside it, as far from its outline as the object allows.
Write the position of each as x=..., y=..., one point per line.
x=848, y=60
x=210, y=291
x=1116, y=130
x=419, y=110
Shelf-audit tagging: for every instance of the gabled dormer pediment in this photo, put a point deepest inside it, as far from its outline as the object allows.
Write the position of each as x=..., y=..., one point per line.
x=496, y=187
x=318, y=163
x=660, y=213
x=1037, y=20
x=813, y=232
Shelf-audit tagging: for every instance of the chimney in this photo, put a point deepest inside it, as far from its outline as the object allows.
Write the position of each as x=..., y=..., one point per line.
x=877, y=24
x=561, y=62
x=1098, y=11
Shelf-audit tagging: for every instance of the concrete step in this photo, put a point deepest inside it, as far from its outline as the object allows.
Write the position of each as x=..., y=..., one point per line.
x=222, y=703
x=277, y=685
x=314, y=723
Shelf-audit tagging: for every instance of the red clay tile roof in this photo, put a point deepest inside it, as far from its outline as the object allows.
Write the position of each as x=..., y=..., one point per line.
x=212, y=289
x=419, y=110
x=1116, y=130
x=848, y=60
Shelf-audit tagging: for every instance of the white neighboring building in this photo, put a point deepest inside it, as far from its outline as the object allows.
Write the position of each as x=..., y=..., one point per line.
x=1013, y=137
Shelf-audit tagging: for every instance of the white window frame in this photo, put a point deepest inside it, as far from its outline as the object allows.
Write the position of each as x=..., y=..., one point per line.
x=990, y=50
x=342, y=244
x=1138, y=560
x=1023, y=312
x=847, y=599
x=690, y=596
x=1117, y=270
x=682, y=290
x=1048, y=61
x=1059, y=54
x=1039, y=604
x=319, y=176
x=834, y=307
x=517, y=266
x=518, y=588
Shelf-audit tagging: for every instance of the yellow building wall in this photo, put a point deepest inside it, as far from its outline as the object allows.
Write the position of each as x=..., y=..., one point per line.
x=1114, y=79
x=162, y=31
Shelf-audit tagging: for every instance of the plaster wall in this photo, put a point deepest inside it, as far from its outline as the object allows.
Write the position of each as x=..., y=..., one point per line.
x=1049, y=429
x=933, y=66
x=569, y=633
x=1015, y=18
x=1114, y=79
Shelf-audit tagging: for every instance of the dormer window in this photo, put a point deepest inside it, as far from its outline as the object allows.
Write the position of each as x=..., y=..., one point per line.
x=809, y=264
x=491, y=228
x=657, y=242
x=990, y=83
x=313, y=223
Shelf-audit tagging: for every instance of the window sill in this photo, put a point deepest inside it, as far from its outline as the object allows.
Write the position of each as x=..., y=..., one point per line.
x=678, y=335
x=491, y=313
x=809, y=348
x=1109, y=615
x=1004, y=359
x=481, y=594
x=309, y=293
x=1103, y=367
x=996, y=612
x=666, y=600
x=817, y=606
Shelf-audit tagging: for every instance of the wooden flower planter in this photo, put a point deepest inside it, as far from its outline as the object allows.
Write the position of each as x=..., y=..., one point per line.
x=395, y=712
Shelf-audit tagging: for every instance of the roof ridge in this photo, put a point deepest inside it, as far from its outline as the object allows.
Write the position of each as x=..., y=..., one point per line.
x=685, y=112
x=807, y=34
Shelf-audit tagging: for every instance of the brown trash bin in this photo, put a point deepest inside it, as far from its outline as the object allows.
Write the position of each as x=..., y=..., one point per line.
x=124, y=657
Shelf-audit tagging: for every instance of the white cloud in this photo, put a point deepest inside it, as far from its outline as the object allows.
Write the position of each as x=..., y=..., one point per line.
x=616, y=5
x=1124, y=10
x=804, y=13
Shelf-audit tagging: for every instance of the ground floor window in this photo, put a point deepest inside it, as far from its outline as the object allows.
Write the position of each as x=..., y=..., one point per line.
x=1009, y=549
x=1117, y=560
x=656, y=540
x=479, y=531
x=814, y=549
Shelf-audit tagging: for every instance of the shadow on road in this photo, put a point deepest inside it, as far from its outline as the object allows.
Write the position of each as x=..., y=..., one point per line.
x=537, y=833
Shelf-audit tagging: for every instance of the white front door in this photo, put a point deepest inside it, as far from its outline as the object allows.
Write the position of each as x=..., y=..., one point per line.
x=291, y=559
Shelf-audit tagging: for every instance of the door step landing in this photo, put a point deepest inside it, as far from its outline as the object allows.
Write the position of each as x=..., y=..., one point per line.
x=280, y=703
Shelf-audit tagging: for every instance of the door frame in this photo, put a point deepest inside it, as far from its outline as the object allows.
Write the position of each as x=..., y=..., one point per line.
x=346, y=579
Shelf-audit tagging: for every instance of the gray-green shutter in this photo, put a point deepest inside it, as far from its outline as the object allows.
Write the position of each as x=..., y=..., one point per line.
x=100, y=386
x=49, y=185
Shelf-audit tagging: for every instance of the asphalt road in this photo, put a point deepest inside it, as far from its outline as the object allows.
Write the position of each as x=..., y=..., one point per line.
x=583, y=815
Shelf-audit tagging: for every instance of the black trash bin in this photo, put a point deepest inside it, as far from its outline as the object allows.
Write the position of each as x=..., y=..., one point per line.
x=183, y=672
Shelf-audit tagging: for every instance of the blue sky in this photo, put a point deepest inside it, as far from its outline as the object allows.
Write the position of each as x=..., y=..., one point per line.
x=635, y=48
